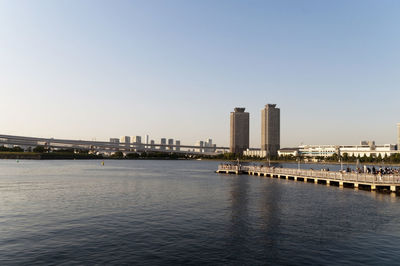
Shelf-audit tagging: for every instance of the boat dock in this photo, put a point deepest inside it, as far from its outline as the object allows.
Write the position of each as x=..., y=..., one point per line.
x=390, y=182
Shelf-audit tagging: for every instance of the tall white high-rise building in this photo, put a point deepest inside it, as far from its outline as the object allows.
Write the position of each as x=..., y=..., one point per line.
x=147, y=140
x=398, y=136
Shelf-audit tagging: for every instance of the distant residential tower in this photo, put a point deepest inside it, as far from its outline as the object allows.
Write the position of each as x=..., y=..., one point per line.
x=270, y=129
x=398, y=136
x=170, y=144
x=178, y=145
x=163, y=144
x=239, y=130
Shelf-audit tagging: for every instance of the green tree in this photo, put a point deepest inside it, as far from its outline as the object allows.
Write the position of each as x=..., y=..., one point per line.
x=117, y=155
x=132, y=156
x=365, y=158
x=39, y=149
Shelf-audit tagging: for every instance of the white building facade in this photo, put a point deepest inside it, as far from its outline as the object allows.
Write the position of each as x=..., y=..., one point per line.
x=288, y=152
x=366, y=148
x=318, y=150
x=255, y=153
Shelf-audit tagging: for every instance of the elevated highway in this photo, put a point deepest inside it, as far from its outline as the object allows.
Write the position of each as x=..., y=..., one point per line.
x=100, y=146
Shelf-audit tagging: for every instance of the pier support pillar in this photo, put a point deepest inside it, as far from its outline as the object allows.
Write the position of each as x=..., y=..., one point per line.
x=305, y=179
x=340, y=183
x=287, y=177
x=355, y=185
x=373, y=187
x=316, y=181
x=393, y=189
x=295, y=178
x=328, y=182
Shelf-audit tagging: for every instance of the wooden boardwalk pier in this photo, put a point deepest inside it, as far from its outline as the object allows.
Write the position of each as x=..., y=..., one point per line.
x=390, y=182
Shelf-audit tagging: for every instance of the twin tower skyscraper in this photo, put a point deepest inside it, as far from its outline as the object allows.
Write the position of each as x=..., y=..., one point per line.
x=270, y=130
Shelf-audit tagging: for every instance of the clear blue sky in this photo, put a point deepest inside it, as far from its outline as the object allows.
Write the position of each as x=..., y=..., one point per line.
x=175, y=69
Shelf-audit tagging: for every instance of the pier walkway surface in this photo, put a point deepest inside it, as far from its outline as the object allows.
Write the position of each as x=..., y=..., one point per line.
x=356, y=180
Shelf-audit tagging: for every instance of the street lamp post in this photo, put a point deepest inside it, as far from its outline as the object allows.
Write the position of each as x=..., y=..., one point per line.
x=341, y=164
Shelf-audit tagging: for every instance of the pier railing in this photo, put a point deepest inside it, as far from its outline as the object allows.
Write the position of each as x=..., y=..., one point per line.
x=320, y=174
x=229, y=167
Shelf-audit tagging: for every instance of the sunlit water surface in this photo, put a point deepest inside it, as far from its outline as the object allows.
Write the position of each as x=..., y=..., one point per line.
x=181, y=212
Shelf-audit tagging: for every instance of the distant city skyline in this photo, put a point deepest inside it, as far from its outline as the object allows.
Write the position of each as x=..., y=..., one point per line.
x=175, y=69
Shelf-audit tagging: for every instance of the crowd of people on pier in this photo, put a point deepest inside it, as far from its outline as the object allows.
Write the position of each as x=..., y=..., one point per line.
x=228, y=166
x=378, y=171
x=370, y=170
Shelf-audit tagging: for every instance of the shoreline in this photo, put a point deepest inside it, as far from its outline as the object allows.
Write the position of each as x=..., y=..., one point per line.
x=67, y=156
x=70, y=156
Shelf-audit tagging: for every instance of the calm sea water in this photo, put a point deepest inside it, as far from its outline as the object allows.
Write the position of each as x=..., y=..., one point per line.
x=181, y=212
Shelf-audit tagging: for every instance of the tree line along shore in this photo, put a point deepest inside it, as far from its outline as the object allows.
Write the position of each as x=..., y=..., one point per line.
x=41, y=153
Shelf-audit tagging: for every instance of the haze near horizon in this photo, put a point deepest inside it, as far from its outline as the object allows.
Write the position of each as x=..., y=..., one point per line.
x=176, y=69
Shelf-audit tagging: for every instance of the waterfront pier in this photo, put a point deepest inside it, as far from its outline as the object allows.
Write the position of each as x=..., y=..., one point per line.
x=389, y=182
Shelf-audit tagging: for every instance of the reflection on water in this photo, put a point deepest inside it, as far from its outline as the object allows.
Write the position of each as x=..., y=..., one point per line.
x=181, y=212
x=269, y=206
x=239, y=227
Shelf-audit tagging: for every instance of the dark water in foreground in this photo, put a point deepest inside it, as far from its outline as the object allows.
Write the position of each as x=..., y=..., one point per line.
x=180, y=212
